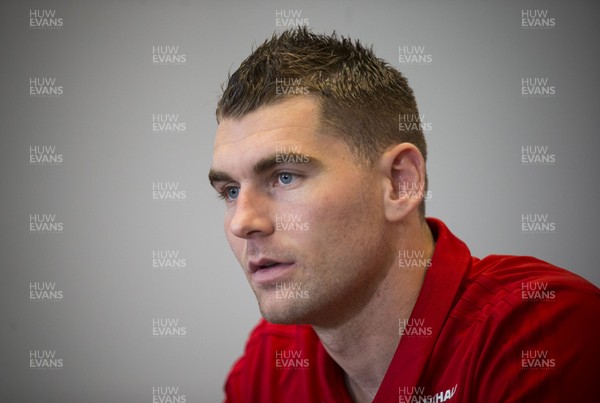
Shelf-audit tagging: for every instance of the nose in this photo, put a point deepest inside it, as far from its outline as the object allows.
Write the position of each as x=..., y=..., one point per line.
x=250, y=215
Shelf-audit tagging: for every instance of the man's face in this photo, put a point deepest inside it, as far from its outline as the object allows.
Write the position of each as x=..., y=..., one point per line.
x=303, y=219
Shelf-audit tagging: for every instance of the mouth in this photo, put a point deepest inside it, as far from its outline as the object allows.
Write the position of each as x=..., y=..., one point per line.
x=265, y=271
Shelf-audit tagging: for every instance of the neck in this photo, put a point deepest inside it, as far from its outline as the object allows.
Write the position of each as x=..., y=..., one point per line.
x=364, y=345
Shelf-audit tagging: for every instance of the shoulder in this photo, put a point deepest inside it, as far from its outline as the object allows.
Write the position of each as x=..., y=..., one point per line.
x=521, y=296
x=533, y=328
x=509, y=269
x=516, y=279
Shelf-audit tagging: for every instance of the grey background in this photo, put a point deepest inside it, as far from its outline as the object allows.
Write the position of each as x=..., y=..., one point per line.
x=102, y=56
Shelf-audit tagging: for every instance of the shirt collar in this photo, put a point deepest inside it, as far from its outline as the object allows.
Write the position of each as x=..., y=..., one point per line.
x=450, y=263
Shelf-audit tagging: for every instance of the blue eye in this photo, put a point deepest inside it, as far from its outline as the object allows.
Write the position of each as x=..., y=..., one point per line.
x=232, y=192
x=285, y=178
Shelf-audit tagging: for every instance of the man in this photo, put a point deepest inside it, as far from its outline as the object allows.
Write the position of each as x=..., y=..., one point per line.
x=364, y=299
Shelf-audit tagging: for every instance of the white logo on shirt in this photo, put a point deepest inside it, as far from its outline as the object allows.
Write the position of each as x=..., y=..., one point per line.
x=417, y=395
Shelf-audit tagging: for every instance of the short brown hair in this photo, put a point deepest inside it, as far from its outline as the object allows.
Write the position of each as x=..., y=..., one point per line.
x=361, y=97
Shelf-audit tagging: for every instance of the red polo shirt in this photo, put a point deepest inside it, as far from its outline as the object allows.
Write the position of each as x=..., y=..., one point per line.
x=499, y=329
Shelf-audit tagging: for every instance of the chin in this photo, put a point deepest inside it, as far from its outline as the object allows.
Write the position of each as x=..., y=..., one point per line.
x=278, y=320
x=284, y=314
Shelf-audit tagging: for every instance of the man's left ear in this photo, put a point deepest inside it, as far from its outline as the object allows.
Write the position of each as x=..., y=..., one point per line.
x=403, y=173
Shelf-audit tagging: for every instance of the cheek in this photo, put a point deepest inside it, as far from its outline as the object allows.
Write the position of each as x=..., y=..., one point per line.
x=344, y=216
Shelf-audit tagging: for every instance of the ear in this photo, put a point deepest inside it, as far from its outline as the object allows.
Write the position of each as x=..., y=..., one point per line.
x=403, y=169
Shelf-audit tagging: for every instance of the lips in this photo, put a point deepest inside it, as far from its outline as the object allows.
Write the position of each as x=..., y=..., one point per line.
x=264, y=263
x=266, y=270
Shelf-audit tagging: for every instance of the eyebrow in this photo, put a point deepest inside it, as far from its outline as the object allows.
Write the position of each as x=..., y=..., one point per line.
x=218, y=176
x=266, y=164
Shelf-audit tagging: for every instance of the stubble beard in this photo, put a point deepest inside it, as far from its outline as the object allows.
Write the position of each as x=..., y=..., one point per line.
x=286, y=311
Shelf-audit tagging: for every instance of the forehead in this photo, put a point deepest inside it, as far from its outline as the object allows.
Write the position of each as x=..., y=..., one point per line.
x=291, y=126
x=289, y=121
x=288, y=127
